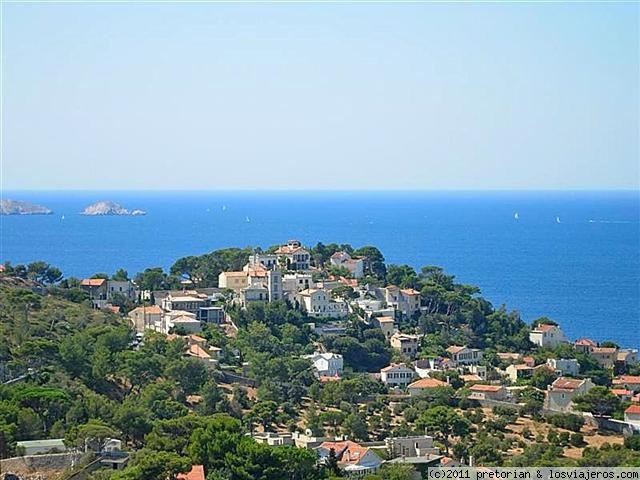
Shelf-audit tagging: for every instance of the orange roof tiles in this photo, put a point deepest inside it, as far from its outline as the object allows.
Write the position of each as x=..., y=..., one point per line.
x=485, y=388
x=622, y=379
x=347, y=452
x=196, y=473
x=635, y=409
x=428, y=383
x=92, y=282
x=150, y=310
x=621, y=392
x=455, y=349
x=544, y=327
x=564, y=383
x=196, y=350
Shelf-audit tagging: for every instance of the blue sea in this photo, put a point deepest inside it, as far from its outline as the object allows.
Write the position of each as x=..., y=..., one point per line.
x=571, y=256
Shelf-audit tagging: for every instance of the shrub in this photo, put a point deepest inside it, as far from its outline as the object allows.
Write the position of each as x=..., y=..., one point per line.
x=568, y=421
x=577, y=439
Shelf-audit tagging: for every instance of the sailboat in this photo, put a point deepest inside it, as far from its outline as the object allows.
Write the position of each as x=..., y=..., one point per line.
x=62, y=218
x=247, y=219
x=558, y=220
x=516, y=216
x=224, y=207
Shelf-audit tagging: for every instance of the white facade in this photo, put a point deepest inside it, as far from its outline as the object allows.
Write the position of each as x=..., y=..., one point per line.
x=318, y=303
x=294, y=255
x=465, y=355
x=564, y=366
x=560, y=394
x=327, y=364
x=355, y=266
x=397, y=375
x=292, y=283
x=547, y=336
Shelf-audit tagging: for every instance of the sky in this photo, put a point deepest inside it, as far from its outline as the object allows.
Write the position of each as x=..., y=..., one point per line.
x=139, y=96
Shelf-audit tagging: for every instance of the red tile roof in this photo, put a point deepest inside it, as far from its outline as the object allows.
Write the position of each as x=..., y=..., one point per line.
x=622, y=379
x=455, y=349
x=427, y=383
x=196, y=473
x=621, y=392
x=564, y=383
x=347, y=452
x=544, y=327
x=586, y=342
x=485, y=388
x=633, y=409
x=92, y=282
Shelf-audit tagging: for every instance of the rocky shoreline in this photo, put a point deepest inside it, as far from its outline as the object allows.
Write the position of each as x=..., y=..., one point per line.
x=110, y=208
x=17, y=207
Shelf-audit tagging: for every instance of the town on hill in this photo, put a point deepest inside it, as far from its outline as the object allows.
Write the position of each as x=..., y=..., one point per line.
x=295, y=362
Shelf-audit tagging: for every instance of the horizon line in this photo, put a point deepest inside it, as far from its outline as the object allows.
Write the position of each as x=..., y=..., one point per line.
x=318, y=190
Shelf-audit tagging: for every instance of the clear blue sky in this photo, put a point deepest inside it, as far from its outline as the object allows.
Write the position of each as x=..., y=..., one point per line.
x=337, y=96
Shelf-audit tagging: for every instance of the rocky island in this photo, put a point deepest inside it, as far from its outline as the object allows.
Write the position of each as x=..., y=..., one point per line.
x=17, y=207
x=110, y=208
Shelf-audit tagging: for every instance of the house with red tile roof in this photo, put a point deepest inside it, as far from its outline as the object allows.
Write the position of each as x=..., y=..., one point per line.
x=560, y=394
x=629, y=382
x=546, y=335
x=605, y=356
x=584, y=345
x=424, y=385
x=353, y=458
x=623, y=394
x=463, y=355
x=632, y=414
x=488, y=392
x=147, y=317
x=196, y=473
x=397, y=375
x=294, y=255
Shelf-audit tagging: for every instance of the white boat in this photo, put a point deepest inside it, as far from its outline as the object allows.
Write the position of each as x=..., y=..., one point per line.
x=247, y=219
x=516, y=216
x=558, y=220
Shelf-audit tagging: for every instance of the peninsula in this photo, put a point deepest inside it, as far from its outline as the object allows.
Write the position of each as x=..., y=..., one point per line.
x=17, y=207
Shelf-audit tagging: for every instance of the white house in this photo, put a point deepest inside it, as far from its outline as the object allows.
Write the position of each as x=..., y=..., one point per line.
x=318, y=303
x=146, y=317
x=547, y=335
x=413, y=446
x=560, y=394
x=266, y=260
x=353, y=459
x=294, y=255
x=292, y=283
x=397, y=375
x=564, y=366
x=405, y=300
x=355, y=266
x=327, y=364
x=463, y=355
x=517, y=372
x=632, y=415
